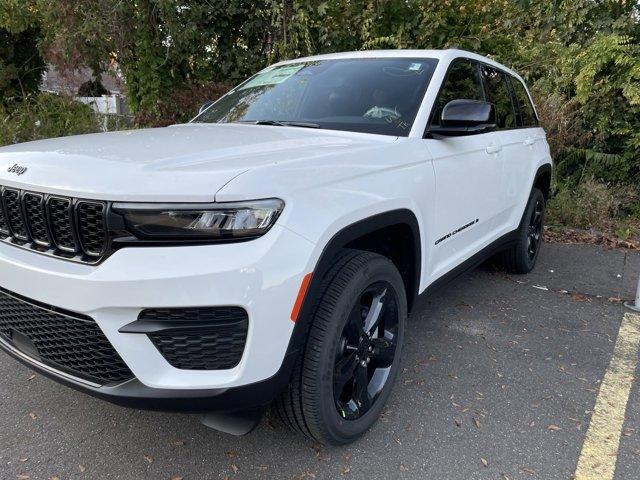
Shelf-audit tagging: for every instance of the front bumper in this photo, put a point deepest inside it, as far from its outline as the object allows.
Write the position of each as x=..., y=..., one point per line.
x=134, y=394
x=262, y=276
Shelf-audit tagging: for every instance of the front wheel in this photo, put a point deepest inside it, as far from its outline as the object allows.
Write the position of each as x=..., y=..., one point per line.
x=352, y=357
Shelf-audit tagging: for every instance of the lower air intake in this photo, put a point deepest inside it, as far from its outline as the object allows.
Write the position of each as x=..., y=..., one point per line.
x=67, y=342
x=210, y=338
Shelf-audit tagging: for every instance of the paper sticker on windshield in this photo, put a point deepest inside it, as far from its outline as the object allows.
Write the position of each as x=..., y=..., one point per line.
x=273, y=77
x=415, y=67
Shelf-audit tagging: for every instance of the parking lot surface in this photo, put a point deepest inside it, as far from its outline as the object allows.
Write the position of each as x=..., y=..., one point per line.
x=501, y=379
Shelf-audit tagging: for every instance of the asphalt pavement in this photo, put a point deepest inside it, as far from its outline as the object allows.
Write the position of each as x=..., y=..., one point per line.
x=501, y=375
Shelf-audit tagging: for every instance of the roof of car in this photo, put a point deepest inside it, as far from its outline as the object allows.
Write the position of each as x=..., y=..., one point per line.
x=447, y=54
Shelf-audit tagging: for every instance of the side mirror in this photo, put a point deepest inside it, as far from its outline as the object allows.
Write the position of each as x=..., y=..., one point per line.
x=204, y=106
x=465, y=117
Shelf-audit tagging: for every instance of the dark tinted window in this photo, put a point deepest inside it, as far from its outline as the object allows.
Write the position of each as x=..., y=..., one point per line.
x=525, y=115
x=463, y=81
x=372, y=95
x=499, y=95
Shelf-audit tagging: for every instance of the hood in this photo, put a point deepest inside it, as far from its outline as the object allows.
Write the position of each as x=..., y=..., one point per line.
x=183, y=163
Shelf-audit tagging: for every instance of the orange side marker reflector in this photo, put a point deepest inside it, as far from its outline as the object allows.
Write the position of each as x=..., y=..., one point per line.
x=304, y=286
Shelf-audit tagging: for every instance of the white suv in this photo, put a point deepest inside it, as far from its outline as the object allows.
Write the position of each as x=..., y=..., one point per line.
x=269, y=251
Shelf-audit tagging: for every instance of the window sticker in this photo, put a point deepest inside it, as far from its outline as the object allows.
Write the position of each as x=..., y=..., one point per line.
x=415, y=67
x=274, y=76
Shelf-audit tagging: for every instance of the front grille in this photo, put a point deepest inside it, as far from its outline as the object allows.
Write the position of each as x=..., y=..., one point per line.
x=208, y=338
x=11, y=200
x=4, y=226
x=68, y=342
x=36, y=218
x=62, y=226
x=61, y=223
x=93, y=234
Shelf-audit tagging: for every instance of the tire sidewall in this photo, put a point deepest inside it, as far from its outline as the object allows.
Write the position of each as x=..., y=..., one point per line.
x=527, y=264
x=340, y=430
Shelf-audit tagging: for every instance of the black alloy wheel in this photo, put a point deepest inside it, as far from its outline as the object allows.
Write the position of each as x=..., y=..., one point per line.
x=522, y=256
x=535, y=229
x=352, y=357
x=366, y=351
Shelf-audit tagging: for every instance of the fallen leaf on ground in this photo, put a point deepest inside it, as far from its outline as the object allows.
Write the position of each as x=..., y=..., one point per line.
x=484, y=462
x=22, y=476
x=31, y=378
x=234, y=468
x=176, y=477
x=554, y=428
x=82, y=468
x=528, y=471
x=148, y=458
x=33, y=416
x=578, y=297
x=476, y=422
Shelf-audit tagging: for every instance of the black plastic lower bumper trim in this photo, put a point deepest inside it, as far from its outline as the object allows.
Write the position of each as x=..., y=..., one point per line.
x=134, y=394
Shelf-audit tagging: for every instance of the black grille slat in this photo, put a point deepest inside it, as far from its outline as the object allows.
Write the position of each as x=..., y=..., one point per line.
x=14, y=214
x=62, y=226
x=36, y=219
x=4, y=226
x=73, y=344
x=92, y=231
x=206, y=338
x=61, y=223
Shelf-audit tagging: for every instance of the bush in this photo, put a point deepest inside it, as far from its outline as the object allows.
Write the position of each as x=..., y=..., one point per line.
x=21, y=65
x=181, y=105
x=45, y=115
x=592, y=205
x=92, y=88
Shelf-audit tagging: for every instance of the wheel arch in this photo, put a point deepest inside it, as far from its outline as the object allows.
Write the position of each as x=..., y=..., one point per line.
x=367, y=234
x=542, y=180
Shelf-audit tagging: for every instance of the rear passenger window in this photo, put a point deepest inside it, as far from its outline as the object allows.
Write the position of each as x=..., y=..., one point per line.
x=525, y=114
x=498, y=91
x=463, y=81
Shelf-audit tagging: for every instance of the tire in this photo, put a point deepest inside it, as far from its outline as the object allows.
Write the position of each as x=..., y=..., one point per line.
x=522, y=257
x=317, y=403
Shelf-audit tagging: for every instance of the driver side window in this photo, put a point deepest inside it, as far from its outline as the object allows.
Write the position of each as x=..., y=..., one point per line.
x=463, y=81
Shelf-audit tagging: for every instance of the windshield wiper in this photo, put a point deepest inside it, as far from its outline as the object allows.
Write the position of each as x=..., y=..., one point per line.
x=281, y=123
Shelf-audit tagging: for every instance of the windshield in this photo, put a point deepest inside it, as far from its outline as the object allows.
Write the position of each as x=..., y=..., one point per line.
x=380, y=95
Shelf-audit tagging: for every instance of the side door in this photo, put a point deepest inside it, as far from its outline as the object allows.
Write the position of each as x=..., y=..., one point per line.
x=528, y=140
x=517, y=141
x=468, y=173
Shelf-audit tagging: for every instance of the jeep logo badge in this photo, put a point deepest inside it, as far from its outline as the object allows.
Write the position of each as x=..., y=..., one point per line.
x=17, y=169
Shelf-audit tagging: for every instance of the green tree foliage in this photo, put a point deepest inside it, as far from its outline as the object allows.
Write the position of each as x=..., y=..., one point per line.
x=160, y=45
x=21, y=65
x=581, y=57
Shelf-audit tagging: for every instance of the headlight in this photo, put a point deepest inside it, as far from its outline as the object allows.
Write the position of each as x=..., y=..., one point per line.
x=198, y=222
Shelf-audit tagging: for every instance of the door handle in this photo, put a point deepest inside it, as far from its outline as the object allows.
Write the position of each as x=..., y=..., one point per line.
x=493, y=149
x=529, y=141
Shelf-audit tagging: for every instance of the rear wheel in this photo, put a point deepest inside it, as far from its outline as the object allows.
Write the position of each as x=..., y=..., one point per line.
x=351, y=360
x=522, y=257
